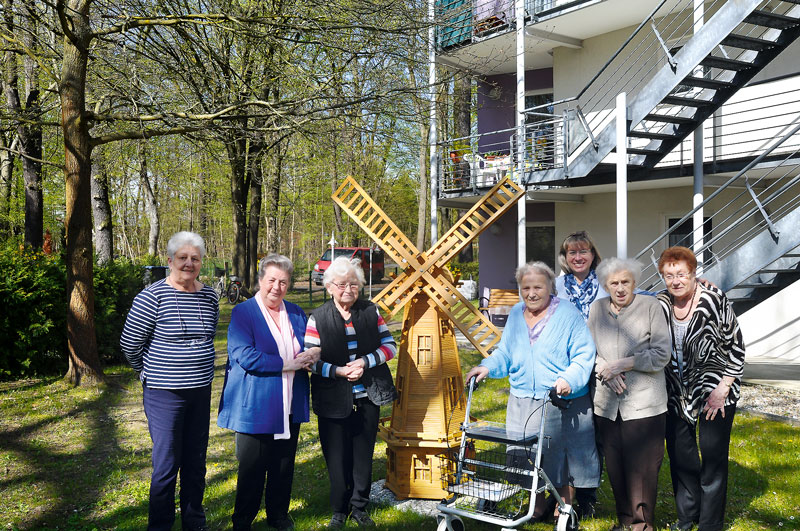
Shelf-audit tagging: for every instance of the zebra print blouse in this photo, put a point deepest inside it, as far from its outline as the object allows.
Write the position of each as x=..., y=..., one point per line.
x=712, y=348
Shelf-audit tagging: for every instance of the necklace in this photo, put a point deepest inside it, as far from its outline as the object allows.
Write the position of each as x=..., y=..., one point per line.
x=689, y=309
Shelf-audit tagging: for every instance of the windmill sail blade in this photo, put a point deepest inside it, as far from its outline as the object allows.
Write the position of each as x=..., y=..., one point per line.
x=473, y=324
x=477, y=219
x=374, y=221
x=396, y=294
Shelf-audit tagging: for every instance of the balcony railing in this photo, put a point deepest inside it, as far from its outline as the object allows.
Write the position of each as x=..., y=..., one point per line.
x=472, y=163
x=462, y=22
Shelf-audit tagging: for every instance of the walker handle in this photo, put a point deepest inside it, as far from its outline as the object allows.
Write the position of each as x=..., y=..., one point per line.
x=560, y=403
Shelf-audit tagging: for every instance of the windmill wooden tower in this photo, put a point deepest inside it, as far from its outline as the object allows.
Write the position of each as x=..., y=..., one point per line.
x=428, y=381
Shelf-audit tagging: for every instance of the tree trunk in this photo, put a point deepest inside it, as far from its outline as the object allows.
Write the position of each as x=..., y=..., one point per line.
x=6, y=180
x=29, y=134
x=256, y=180
x=273, y=202
x=101, y=209
x=239, y=189
x=84, y=362
x=150, y=206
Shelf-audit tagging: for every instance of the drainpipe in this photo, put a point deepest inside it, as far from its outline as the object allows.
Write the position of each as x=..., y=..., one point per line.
x=519, y=10
x=697, y=195
x=433, y=135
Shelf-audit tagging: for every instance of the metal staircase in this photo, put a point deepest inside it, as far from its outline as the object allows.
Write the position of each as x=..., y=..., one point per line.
x=753, y=250
x=674, y=77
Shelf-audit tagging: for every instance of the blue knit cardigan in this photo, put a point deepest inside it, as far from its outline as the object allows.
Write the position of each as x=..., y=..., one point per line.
x=565, y=349
x=252, y=396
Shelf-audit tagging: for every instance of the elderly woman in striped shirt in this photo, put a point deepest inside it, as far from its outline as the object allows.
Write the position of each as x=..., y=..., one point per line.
x=348, y=385
x=169, y=341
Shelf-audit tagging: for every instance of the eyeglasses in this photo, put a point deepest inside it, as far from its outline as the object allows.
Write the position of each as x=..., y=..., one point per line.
x=345, y=285
x=680, y=276
x=582, y=252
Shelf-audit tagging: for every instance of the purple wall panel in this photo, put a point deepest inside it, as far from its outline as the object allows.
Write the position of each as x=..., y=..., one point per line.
x=498, y=114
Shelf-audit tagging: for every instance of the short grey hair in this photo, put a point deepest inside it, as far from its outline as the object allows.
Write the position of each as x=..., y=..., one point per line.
x=275, y=260
x=344, y=267
x=614, y=265
x=183, y=238
x=540, y=268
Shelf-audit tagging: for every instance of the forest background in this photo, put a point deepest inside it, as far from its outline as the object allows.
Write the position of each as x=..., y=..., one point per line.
x=124, y=121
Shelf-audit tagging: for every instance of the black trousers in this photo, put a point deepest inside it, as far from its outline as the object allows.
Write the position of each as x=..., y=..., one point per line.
x=178, y=422
x=634, y=450
x=264, y=459
x=700, y=486
x=347, y=445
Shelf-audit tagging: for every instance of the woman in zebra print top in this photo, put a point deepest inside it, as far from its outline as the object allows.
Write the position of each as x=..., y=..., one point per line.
x=703, y=379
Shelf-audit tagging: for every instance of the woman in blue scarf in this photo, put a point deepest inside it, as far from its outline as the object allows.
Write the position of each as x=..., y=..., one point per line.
x=579, y=258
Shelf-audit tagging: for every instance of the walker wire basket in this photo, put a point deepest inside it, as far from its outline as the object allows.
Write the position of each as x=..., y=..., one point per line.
x=486, y=481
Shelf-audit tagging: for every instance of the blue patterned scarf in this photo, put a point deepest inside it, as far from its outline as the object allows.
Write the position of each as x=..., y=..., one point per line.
x=582, y=295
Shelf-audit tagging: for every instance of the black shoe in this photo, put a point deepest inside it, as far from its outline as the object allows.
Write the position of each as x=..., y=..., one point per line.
x=282, y=524
x=681, y=526
x=337, y=520
x=361, y=517
x=586, y=511
x=195, y=527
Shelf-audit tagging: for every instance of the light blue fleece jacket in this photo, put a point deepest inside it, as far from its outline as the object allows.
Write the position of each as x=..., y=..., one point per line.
x=565, y=349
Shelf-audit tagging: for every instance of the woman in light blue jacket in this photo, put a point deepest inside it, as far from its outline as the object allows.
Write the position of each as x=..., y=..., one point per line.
x=265, y=395
x=546, y=344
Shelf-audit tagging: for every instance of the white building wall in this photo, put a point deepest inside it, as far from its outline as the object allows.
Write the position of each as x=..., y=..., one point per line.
x=770, y=329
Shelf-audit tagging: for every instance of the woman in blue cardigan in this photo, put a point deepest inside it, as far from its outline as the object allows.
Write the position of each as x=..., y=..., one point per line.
x=547, y=344
x=265, y=395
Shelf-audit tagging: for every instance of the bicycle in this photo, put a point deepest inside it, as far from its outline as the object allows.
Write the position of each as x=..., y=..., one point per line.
x=233, y=290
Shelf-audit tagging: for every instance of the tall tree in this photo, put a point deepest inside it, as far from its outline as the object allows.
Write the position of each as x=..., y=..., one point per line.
x=150, y=206
x=101, y=209
x=25, y=104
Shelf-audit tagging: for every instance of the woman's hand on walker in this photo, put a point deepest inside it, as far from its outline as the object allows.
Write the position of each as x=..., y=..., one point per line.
x=562, y=387
x=480, y=372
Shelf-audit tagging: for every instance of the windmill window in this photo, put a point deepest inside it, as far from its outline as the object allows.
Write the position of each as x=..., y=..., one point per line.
x=422, y=469
x=452, y=391
x=424, y=351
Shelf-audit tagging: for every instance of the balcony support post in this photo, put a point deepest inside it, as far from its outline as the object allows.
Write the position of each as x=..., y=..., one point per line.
x=622, y=175
x=433, y=136
x=519, y=11
x=697, y=166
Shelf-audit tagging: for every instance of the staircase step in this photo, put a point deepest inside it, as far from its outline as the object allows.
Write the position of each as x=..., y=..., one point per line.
x=703, y=82
x=681, y=120
x=686, y=102
x=747, y=43
x=713, y=61
x=771, y=20
x=644, y=151
x=751, y=286
x=768, y=271
x=651, y=136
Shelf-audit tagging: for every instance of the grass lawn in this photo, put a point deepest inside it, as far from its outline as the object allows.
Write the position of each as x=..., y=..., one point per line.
x=80, y=459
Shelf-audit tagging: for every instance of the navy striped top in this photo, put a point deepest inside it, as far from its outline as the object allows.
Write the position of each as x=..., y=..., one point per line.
x=169, y=336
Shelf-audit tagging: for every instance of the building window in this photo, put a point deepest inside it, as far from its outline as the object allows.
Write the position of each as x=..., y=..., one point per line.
x=540, y=244
x=684, y=235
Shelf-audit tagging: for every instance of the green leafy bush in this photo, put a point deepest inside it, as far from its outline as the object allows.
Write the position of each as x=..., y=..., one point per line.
x=115, y=286
x=33, y=321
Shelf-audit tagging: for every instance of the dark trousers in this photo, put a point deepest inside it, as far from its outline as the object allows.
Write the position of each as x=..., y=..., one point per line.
x=264, y=459
x=700, y=486
x=347, y=445
x=178, y=423
x=634, y=450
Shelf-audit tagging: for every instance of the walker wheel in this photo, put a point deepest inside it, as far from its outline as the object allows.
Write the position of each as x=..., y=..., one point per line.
x=567, y=521
x=451, y=523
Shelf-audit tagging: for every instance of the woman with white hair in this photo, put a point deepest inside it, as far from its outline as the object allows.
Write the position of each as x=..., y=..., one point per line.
x=169, y=341
x=348, y=385
x=630, y=399
x=546, y=344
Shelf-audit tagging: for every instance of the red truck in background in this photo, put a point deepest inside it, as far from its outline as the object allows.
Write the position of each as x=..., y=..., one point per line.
x=361, y=253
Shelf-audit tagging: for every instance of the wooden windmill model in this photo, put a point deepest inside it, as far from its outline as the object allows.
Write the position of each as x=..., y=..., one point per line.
x=429, y=382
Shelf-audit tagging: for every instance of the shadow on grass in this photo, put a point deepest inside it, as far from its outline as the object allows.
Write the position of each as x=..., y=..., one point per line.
x=72, y=473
